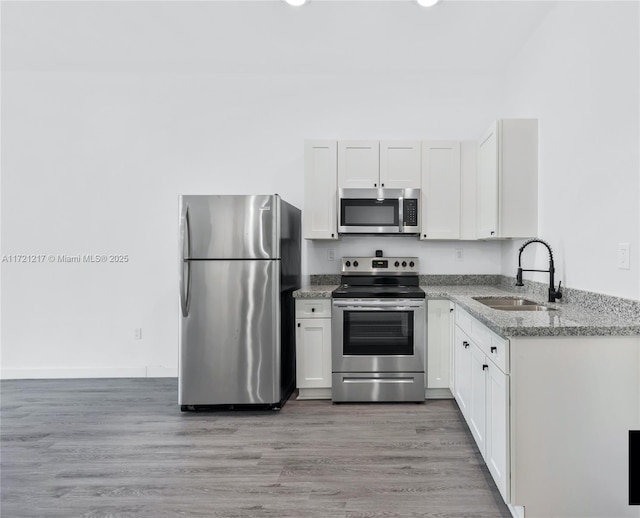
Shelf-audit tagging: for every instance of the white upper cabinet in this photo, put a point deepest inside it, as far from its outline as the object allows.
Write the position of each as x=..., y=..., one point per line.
x=440, y=190
x=400, y=164
x=372, y=164
x=468, y=182
x=320, y=215
x=507, y=190
x=487, y=183
x=358, y=164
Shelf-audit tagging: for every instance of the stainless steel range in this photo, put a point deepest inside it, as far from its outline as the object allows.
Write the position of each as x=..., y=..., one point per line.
x=378, y=331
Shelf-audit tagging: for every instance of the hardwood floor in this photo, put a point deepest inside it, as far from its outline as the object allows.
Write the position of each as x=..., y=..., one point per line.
x=122, y=448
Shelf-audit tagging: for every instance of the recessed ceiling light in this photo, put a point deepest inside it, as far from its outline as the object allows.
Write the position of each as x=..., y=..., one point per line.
x=297, y=3
x=427, y=3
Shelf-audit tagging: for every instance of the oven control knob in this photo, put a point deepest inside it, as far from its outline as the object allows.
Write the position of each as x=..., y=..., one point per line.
x=347, y=264
x=404, y=263
x=397, y=263
x=412, y=264
x=355, y=263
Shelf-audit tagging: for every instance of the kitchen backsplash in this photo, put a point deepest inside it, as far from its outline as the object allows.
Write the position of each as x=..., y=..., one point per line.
x=626, y=308
x=430, y=280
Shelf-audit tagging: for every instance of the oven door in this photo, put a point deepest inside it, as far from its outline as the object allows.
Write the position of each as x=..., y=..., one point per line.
x=378, y=335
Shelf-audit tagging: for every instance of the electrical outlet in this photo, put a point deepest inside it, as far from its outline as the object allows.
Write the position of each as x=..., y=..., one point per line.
x=331, y=254
x=623, y=256
x=459, y=254
x=137, y=333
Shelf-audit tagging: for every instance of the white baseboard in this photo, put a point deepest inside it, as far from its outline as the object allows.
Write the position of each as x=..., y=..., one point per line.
x=314, y=393
x=438, y=393
x=90, y=372
x=157, y=371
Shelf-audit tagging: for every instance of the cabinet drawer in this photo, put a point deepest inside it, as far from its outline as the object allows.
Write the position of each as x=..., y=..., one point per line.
x=313, y=308
x=464, y=321
x=494, y=346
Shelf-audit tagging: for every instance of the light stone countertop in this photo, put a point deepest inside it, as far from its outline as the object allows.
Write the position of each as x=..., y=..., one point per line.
x=314, y=292
x=567, y=320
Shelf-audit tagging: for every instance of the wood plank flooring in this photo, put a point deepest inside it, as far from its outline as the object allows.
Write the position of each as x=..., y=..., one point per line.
x=122, y=448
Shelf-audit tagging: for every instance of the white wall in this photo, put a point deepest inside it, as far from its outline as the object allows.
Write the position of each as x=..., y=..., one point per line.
x=93, y=163
x=579, y=74
x=102, y=129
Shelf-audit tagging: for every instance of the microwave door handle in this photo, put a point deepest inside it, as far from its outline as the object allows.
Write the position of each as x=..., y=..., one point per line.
x=400, y=213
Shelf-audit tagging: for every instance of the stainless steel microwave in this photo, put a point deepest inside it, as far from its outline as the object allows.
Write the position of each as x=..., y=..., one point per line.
x=379, y=211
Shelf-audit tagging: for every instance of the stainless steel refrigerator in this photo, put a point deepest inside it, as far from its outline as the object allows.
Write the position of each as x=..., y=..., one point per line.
x=239, y=266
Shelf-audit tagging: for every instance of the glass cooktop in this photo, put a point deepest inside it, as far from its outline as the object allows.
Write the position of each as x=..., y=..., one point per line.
x=346, y=291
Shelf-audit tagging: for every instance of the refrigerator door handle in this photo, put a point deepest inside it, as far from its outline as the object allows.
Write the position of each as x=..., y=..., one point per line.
x=185, y=267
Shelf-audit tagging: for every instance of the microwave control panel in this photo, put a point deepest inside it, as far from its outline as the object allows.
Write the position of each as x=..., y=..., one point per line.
x=410, y=211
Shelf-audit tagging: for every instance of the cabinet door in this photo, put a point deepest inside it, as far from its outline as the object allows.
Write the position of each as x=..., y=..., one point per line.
x=462, y=371
x=320, y=214
x=477, y=406
x=468, y=190
x=358, y=164
x=438, y=343
x=518, y=178
x=440, y=190
x=400, y=164
x=487, y=201
x=508, y=180
x=497, y=457
x=313, y=352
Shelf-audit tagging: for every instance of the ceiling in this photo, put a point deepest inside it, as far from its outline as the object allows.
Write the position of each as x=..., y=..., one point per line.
x=395, y=36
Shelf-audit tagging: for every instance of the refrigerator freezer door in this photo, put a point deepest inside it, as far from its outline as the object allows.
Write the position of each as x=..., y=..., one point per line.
x=230, y=227
x=230, y=338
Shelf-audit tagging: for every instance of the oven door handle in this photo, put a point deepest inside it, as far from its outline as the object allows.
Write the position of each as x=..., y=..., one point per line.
x=379, y=305
x=388, y=308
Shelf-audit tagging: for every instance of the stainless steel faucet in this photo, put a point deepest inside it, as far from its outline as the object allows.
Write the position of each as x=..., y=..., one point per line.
x=553, y=293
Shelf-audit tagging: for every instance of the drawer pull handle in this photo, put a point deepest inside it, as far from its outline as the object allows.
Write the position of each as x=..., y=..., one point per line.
x=485, y=367
x=313, y=309
x=401, y=379
x=465, y=344
x=494, y=349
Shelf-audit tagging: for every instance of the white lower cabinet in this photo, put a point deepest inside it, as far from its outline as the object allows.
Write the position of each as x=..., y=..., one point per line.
x=551, y=417
x=438, y=368
x=313, y=348
x=462, y=371
x=481, y=389
x=477, y=415
x=497, y=427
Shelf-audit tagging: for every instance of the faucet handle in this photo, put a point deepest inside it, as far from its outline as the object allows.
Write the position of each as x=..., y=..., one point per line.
x=558, y=291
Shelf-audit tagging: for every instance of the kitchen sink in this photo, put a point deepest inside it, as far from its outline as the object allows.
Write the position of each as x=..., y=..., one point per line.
x=536, y=307
x=512, y=304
